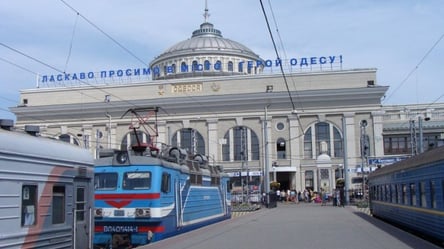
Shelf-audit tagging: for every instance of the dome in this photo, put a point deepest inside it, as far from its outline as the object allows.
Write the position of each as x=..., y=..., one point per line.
x=206, y=53
x=206, y=40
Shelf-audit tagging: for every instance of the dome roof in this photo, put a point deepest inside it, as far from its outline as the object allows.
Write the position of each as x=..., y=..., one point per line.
x=206, y=41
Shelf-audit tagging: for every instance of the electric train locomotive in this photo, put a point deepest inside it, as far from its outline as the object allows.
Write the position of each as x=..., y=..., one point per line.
x=410, y=193
x=145, y=194
x=46, y=191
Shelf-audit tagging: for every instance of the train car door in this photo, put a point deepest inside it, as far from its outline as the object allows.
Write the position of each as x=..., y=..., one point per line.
x=82, y=231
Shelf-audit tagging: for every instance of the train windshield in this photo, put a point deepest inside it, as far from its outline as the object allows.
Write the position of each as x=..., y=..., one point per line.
x=105, y=181
x=137, y=180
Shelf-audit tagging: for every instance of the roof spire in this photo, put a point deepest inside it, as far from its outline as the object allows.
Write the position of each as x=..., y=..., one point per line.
x=206, y=14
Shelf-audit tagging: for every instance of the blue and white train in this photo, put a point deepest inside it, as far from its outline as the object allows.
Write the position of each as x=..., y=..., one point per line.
x=410, y=193
x=144, y=195
x=46, y=191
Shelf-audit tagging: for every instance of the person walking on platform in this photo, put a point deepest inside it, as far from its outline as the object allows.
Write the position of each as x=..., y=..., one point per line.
x=323, y=197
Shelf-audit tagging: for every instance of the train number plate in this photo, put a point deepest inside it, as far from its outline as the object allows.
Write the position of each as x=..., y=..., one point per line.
x=119, y=212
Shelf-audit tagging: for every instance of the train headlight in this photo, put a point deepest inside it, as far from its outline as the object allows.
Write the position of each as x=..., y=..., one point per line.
x=143, y=212
x=98, y=212
x=122, y=157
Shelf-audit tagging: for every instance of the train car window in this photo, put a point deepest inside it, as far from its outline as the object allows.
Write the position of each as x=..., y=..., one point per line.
x=137, y=180
x=423, y=195
x=413, y=194
x=80, y=204
x=433, y=193
x=404, y=194
x=382, y=192
x=105, y=181
x=29, y=205
x=58, y=205
x=394, y=193
x=166, y=183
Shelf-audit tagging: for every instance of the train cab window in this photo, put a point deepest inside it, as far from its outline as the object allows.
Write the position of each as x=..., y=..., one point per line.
x=80, y=204
x=166, y=183
x=105, y=181
x=137, y=180
x=58, y=205
x=29, y=205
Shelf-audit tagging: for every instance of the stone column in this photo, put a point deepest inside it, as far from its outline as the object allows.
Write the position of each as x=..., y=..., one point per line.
x=213, y=139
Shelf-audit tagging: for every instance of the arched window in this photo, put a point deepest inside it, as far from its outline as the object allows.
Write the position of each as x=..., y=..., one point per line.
x=319, y=132
x=132, y=138
x=207, y=65
x=173, y=68
x=189, y=139
x=195, y=66
x=230, y=66
x=280, y=148
x=241, y=144
x=218, y=66
x=183, y=67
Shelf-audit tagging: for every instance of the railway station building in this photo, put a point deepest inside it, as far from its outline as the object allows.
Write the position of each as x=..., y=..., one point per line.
x=304, y=121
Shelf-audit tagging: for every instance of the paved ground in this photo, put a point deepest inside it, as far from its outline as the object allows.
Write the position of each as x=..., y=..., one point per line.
x=305, y=226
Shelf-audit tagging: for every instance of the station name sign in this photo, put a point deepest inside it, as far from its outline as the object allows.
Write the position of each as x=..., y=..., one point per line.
x=293, y=63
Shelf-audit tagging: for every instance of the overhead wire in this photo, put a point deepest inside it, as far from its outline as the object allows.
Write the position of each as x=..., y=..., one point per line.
x=71, y=42
x=120, y=45
x=281, y=67
x=104, y=33
x=415, y=68
x=277, y=55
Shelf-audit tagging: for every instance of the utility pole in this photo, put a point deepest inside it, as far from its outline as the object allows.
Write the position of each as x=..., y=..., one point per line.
x=346, y=182
x=363, y=125
x=266, y=156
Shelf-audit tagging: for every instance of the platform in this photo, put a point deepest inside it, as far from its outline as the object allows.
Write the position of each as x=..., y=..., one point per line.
x=291, y=226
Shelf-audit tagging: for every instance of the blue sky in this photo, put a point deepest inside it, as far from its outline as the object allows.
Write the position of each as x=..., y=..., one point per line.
x=391, y=36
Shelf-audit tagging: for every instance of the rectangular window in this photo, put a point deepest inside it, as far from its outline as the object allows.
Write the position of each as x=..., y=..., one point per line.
x=166, y=183
x=308, y=151
x=309, y=179
x=137, y=180
x=29, y=205
x=433, y=193
x=413, y=194
x=404, y=194
x=105, y=181
x=423, y=197
x=80, y=204
x=395, y=193
x=382, y=193
x=58, y=205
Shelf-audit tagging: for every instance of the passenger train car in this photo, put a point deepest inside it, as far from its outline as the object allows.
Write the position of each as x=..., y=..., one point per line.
x=146, y=194
x=410, y=193
x=46, y=191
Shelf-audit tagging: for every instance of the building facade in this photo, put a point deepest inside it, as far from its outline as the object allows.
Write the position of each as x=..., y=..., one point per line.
x=306, y=129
